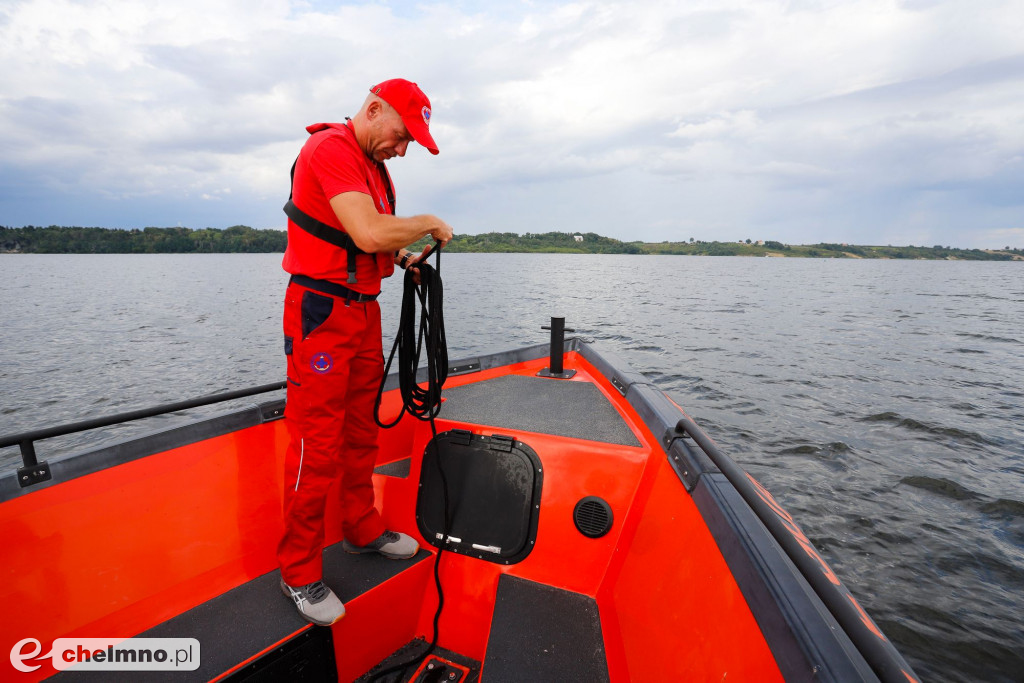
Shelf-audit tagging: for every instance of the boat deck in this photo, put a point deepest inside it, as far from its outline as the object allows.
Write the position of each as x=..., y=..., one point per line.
x=394, y=599
x=524, y=403
x=255, y=617
x=667, y=578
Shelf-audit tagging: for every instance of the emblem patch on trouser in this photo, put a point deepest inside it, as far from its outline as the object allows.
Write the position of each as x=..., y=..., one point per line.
x=321, y=362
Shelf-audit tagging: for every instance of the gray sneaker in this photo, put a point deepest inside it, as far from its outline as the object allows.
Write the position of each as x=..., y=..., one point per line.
x=316, y=602
x=390, y=544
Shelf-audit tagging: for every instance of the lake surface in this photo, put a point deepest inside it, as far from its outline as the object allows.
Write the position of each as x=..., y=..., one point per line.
x=882, y=402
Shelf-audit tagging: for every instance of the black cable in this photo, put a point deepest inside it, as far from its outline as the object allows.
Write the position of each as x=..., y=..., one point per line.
x=423, y=403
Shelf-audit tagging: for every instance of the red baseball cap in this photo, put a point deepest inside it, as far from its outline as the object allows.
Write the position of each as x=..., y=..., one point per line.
x=412, y=105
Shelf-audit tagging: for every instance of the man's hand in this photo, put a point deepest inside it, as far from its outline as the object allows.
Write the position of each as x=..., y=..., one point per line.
x=414, y=263
x=442, y=233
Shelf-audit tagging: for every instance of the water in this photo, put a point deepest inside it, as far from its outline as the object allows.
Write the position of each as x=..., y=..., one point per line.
x=882, y=402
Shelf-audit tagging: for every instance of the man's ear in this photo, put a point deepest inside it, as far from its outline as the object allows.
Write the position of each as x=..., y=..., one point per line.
x=374, y=110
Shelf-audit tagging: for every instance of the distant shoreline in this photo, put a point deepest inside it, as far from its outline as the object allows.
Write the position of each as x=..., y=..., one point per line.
x=243, y=239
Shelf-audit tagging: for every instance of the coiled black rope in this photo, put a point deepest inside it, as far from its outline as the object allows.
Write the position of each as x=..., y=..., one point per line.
x=422, y=402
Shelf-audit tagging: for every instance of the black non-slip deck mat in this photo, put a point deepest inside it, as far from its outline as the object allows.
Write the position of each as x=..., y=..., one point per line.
x=536, y=404
x=397, y=468
x=540, y=633
x=249, y=618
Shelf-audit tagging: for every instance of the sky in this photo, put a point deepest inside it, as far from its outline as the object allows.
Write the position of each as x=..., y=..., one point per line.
x=802, y=121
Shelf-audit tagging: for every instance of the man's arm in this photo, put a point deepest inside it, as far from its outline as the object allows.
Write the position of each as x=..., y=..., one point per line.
x=376, y=232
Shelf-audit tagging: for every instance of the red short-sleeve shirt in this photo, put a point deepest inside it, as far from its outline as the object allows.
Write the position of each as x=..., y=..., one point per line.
x=330, y=163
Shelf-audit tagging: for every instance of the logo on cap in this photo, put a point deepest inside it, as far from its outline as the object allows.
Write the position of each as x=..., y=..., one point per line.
x=426, y=115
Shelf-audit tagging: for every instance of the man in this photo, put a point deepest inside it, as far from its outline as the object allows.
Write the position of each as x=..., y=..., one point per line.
x=343, y=237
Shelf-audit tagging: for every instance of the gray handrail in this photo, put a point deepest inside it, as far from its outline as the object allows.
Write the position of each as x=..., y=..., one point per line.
x=26, y=440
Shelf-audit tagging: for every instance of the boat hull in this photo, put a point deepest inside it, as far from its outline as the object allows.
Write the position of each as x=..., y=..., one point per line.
x=175, y=534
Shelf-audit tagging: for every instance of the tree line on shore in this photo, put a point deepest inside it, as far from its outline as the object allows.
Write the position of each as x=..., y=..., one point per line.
x=74, y=240
x=244, y=239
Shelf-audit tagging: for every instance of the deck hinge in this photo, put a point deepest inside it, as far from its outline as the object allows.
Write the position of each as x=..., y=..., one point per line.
x=464, y=368
x=500, y=442
x=34, y=474
x=273, y=410
x=462, y=437
x=671, y=435
x=681, y=457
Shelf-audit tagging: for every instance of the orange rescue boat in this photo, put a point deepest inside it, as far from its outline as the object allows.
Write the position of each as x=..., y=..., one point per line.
x=593, y=533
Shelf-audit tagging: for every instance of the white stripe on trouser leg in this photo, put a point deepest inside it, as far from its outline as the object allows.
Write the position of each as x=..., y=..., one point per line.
x=302, y=452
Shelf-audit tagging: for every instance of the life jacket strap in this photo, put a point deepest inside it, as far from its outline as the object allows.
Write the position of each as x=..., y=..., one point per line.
x=327, y=233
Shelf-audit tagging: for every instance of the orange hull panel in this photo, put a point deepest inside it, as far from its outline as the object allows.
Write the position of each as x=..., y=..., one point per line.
x=117, y=552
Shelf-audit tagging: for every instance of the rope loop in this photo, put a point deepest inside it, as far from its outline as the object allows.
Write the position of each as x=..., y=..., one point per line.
x=421, y=400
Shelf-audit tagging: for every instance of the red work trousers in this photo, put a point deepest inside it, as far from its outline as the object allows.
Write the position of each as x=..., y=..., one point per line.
x=335, y=362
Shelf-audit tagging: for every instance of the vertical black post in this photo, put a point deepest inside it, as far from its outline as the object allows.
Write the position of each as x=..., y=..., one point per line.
x=555, y=369
x=28, y=453
x=557, y=344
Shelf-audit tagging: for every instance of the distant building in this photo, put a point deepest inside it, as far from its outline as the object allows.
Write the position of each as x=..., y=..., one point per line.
x=578, y=238
x=760, y=243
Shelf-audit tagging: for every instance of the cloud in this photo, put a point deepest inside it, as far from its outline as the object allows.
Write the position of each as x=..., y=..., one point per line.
x=792, y=120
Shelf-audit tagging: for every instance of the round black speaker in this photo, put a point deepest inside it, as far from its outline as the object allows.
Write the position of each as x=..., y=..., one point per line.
x=592, y=516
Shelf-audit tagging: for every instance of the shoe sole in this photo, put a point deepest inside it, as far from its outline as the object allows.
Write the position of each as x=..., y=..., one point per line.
x=356, y=550
x=287, y=594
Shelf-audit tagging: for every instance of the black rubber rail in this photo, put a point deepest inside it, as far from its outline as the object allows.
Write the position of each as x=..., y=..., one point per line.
x=880, y=654
x=27, y=439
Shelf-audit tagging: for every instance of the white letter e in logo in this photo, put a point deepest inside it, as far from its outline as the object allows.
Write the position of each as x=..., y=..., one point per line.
x=18, y=657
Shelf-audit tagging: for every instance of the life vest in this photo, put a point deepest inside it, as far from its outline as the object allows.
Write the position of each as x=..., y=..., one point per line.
x=329, y=233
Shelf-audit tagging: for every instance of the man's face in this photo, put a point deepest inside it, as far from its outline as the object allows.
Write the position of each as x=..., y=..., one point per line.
x=389, y=138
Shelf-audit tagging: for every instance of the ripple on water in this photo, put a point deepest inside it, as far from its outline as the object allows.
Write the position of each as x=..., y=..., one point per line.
x=833, y=448
x=940, y=486
x=989, y=337
x=926, y=430
x=645, y=347
x=833, y=455
x=1004, y=507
